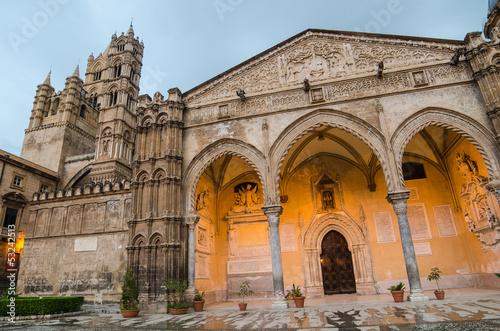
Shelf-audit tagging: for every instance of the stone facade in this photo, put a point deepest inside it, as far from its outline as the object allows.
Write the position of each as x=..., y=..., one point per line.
x=388, y=142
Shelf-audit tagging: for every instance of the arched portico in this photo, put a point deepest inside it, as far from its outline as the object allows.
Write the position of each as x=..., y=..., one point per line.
x=211, y=153
x=369, y=134
x=476, y=133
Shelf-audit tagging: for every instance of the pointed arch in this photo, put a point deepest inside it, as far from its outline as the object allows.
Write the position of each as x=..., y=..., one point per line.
x=355, y=233
x=159, y=173
x=212, y=152
x=369, y=134
x=156, y=239
x=142, y=176
x=78, y=176
x=478, y=135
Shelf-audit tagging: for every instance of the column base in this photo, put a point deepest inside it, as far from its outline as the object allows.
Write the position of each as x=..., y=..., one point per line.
x=279, y=304
x=417, y=296
x=190, y=293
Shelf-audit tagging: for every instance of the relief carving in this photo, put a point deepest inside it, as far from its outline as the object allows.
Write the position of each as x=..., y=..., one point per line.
x=477, y=203
x=247, y=200
x=319, y=57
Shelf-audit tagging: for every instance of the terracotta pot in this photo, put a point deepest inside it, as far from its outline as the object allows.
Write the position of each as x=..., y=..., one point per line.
x=129, y=313
x=181, y=311
x=299, y=301
x=243, y=306
x=198, y=305
x=439, y=295
x=398, y=295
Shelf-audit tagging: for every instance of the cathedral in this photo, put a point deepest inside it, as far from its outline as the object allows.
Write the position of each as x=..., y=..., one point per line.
x=342, y=162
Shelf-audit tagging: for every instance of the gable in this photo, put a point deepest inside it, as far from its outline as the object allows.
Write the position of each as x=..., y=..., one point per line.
x=322, y=56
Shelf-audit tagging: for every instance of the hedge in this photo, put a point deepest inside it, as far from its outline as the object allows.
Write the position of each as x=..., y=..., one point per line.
x=29, y=306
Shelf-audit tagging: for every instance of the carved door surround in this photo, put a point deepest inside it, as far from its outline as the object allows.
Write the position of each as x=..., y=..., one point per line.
x=354, y=231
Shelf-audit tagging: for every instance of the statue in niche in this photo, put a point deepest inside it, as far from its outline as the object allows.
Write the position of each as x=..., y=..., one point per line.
x=247, y=200
x=327, y=198
x=202, y=200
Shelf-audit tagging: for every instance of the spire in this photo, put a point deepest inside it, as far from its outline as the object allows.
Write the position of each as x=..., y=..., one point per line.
x=47, y=80
x=130, y=31
x=76, y=73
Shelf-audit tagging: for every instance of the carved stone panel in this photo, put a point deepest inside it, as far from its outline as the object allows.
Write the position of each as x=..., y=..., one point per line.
x=113, y=218
x=57, y=221
x=42, y=221
x=73, y=220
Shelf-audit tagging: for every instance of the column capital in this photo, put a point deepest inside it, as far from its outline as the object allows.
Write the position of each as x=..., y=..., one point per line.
x=398, y=201
x=269, y=210
x=191, y=221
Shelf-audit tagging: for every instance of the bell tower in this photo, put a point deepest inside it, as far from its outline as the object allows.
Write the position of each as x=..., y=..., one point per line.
x=112, y=85
x=61, y=124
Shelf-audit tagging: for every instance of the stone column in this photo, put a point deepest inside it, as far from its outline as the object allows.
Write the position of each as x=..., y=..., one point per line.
x=273, y=218
x=191, y=222
x=398, y=201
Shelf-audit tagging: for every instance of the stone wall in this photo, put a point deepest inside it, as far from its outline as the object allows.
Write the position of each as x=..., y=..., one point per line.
x=90, y=228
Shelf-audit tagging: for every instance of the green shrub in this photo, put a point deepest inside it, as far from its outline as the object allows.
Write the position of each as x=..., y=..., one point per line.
x=29, y=306
x=178, y=305
x=130, y=292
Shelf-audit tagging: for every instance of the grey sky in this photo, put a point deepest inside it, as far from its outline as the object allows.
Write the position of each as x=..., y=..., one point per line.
x=187, y=42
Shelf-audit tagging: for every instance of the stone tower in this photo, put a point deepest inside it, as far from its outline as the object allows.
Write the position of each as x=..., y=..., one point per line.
x=61, y=124
x=484, y=58
x=158, y=236
x=112, y=85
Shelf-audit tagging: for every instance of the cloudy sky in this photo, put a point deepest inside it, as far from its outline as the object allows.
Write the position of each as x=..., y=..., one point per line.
x=187, y=41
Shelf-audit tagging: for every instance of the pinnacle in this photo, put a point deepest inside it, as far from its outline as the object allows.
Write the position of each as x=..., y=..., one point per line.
x=76, y=73
x=130, y=30
x=47, y=80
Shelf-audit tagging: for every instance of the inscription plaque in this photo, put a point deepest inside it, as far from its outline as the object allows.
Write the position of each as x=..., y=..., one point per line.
x=419, y=224
x=445, y=221
x=385, y=228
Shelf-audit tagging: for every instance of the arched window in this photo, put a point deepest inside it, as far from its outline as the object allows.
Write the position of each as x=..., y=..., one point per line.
x=113, y=98
x=97, y=75
x=413, y=170
x=117, y=70
x=55, y=105
x=83, y=110
x=120, y=47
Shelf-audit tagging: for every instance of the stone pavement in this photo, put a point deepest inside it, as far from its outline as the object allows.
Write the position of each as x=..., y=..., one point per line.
x=463, y=309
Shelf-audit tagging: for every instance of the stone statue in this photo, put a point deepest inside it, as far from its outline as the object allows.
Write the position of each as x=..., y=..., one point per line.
x=202, y=200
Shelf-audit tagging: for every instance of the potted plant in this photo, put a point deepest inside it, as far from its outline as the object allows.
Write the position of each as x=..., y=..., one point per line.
x=296, y=295
x=130, y=296
x=199, y=301
x=177, y=286
x=245, y=291
x=435, y=275
x=398, y=292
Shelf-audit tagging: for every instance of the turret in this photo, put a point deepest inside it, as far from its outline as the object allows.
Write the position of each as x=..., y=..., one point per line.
x=41, y=104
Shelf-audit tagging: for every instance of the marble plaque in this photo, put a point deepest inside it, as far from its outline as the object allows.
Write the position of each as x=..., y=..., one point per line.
x=385, y=228
x=413, y=193
x=419, y=224
x=445, y=221
x=252, y=265
x=423, y=249
x=202, y=267
x=86, y=244
x=288, y=240
x=252, y=235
